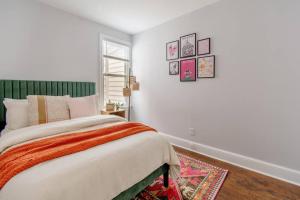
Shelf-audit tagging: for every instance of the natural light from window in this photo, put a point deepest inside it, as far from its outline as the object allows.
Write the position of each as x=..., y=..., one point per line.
x=115, y=62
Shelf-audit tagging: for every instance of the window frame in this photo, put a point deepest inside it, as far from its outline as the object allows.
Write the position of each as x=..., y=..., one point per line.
x=101, y=64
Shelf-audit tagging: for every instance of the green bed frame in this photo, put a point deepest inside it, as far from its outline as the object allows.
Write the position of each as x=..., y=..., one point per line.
x=19, y=89
x=140, y=186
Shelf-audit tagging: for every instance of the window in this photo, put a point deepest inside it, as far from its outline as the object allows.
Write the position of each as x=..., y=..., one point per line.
x=115, y=69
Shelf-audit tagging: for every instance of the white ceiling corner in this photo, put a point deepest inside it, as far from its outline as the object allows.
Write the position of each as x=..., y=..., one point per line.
x=130, y=16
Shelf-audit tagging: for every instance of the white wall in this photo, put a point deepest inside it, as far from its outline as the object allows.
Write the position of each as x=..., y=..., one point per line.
x=252, y=107
x=43, y=43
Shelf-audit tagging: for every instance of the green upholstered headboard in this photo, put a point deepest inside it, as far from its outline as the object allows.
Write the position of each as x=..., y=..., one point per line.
x=19, y=89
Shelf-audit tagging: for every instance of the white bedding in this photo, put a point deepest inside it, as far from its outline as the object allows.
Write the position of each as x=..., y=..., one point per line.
x=99, y=173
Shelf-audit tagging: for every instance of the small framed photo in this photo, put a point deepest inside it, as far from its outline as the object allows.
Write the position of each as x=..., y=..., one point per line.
x=188, y=70
x=174, y=68
x=206, y=67
x=203, y=47
x=172, y=50
x=188, y=45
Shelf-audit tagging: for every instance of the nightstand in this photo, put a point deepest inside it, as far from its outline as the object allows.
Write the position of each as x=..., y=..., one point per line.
x=120, y=112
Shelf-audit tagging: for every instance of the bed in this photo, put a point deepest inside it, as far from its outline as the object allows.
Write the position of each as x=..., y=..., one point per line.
x=115, y=170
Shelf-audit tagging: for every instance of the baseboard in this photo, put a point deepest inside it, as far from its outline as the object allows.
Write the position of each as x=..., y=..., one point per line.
x=259, y=166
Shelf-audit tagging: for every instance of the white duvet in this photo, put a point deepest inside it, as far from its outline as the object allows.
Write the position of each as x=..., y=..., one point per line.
x=99, y=173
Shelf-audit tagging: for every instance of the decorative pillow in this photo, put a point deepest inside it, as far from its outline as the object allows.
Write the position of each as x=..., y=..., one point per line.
x=16, y=114
x=44, y=109
x=83, y=106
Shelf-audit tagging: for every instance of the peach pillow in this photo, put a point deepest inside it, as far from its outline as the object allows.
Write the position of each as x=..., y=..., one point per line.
x=83, y=106
x=16, y=114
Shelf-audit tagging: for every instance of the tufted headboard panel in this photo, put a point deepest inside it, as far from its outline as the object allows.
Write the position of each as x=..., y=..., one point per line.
x=19, y=89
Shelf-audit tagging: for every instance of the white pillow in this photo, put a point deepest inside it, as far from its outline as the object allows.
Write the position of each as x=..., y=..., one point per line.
x=83, y=106
x=16, y=114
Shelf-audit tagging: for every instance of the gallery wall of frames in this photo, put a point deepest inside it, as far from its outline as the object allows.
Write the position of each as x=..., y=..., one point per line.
x=190, y=58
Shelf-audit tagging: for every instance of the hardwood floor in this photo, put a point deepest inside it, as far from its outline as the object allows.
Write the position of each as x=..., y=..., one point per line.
x=243, y=184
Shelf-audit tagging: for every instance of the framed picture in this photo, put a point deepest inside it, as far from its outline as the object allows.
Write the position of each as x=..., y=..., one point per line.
x=188, y=45
x=188, y=70
x=203, y=47
x=172, y=50
x=206, y=67
x=174, y=68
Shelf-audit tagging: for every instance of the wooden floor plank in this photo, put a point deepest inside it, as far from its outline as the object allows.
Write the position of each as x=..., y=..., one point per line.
x=243, y=184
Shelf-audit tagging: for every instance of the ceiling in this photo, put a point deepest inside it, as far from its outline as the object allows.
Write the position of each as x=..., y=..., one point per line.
x=130, y=16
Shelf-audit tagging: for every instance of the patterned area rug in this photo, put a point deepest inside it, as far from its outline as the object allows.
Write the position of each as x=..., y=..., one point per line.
x=199, y=181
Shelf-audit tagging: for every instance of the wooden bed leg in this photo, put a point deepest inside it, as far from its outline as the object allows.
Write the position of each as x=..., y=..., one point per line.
x=166, y=179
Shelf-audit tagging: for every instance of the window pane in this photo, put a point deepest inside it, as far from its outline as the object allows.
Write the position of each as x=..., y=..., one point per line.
x=113, y=89
x=113, y=66
x=115, y=50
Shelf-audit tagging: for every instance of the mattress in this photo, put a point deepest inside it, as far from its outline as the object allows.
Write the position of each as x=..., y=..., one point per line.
x=99, y=173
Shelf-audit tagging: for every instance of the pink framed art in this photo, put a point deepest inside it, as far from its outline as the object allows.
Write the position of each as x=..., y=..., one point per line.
x=206, y=67
x=203, y=47
x=172, y=50
x=188, y=70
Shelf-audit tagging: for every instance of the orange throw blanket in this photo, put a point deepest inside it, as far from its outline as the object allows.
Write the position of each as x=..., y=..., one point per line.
x=27, y=155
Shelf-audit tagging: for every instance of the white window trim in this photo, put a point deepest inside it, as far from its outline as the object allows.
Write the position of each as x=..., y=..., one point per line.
x=101, y=76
